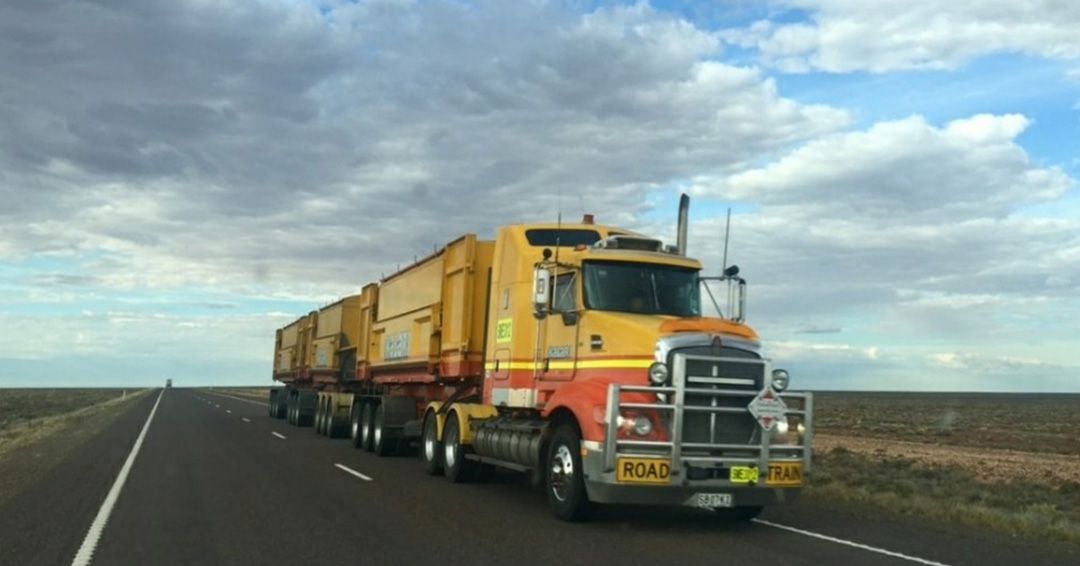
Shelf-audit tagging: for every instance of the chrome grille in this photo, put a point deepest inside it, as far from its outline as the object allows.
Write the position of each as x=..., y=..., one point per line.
x=708, y=371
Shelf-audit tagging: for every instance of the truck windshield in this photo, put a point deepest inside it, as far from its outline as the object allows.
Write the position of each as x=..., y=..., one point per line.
x=642, y=288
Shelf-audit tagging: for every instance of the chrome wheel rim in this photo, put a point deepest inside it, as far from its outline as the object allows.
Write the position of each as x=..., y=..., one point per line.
x=366, y=430
x=355, y=428
x=450, y=452
x=562, y=473
x=429, y=443
x=378, y=430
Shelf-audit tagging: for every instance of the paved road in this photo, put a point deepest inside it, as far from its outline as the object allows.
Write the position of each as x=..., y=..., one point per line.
x=218, y=482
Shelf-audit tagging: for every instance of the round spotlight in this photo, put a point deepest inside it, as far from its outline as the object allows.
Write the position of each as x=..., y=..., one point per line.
x=780, y=379
x=658, y=373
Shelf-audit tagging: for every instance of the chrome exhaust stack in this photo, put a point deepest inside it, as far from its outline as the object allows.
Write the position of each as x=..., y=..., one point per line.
x=684, y=212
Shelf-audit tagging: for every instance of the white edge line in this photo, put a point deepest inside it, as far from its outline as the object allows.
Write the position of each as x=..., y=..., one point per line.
x=851, y=544
x=245, y=419
x=353, y=472
x=86, y=552
x=278, y=435
x=228, y=411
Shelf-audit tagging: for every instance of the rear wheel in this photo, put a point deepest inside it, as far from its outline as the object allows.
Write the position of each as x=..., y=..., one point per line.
x=381, y=442
x=330, y=428
x=738, y=513
x=430, y=448
x=366, y=425
x=456, y=467
x=354, y=425
x=565, y=481
x=319, y=417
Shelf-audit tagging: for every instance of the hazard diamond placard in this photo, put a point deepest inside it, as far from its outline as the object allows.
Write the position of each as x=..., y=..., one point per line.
x=767, y=408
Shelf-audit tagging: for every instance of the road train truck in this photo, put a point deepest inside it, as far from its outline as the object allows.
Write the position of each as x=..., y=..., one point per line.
x=578, y=353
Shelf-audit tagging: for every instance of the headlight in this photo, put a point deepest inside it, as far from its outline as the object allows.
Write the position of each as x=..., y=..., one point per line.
x=782, y=425
x=635, y=423
x=780, y=379
x=658, y=373
x=642, y=426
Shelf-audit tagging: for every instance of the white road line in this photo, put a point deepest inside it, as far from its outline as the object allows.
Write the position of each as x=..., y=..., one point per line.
x=89, y=544
x=278, y=435
x=353, y=472
x=228, y=411
x=245, y=419
x=259, y=403
x=915, y=559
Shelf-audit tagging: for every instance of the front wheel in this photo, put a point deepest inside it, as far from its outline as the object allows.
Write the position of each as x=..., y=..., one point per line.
x=565, y=481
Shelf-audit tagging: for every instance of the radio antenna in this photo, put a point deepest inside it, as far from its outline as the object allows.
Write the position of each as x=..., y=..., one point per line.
x=727, y=234
x=558, y=229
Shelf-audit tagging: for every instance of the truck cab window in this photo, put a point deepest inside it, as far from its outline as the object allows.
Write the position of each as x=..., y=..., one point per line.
x=641, y=288
x=565, y=298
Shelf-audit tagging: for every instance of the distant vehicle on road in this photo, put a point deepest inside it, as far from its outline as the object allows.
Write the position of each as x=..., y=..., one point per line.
x=168, y=383
x=575, y=352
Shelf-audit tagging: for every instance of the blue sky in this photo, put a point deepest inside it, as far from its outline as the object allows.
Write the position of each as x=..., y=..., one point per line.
x=181, y=178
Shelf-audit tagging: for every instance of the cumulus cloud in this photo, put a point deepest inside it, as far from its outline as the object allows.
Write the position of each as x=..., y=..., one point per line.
x=206, y=143
x=288, y=153
x=906, y=205
x=850, y=35
x=904, y=233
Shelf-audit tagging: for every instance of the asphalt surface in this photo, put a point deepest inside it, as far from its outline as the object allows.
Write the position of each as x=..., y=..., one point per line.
x=209, y=487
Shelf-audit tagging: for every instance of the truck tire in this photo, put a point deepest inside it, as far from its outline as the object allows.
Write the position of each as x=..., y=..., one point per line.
x=355, y=414
x=279, y=404
x=305, y=408
x=330, y=428
x=324, y=418
x=564, y=478
x=367, y=424
x=430, y=447
x=381, y=443
x=319, y=417
x=456, y=467
x=744, y=513
x=271, y=403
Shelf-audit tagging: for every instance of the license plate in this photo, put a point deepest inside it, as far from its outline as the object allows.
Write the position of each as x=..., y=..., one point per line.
x=744, y=474
x=713, y=500
x=643, y=470
x=785, y=473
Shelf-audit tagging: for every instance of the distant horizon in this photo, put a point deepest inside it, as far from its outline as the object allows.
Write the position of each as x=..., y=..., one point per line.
x=873, y=391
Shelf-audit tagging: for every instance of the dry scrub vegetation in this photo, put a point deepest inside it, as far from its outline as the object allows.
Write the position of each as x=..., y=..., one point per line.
x=254, y=393
x=40, y=427
x=1005, y=462
x=28, y=415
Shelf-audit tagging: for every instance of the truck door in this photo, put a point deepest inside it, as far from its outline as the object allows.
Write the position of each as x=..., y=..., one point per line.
x=558, y=351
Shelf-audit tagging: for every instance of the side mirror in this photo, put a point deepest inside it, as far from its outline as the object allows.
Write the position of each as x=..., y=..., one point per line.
x=569, y=318
x=541, y=292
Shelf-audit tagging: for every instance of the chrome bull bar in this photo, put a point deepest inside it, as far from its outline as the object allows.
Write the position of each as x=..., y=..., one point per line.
x=677, y=408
